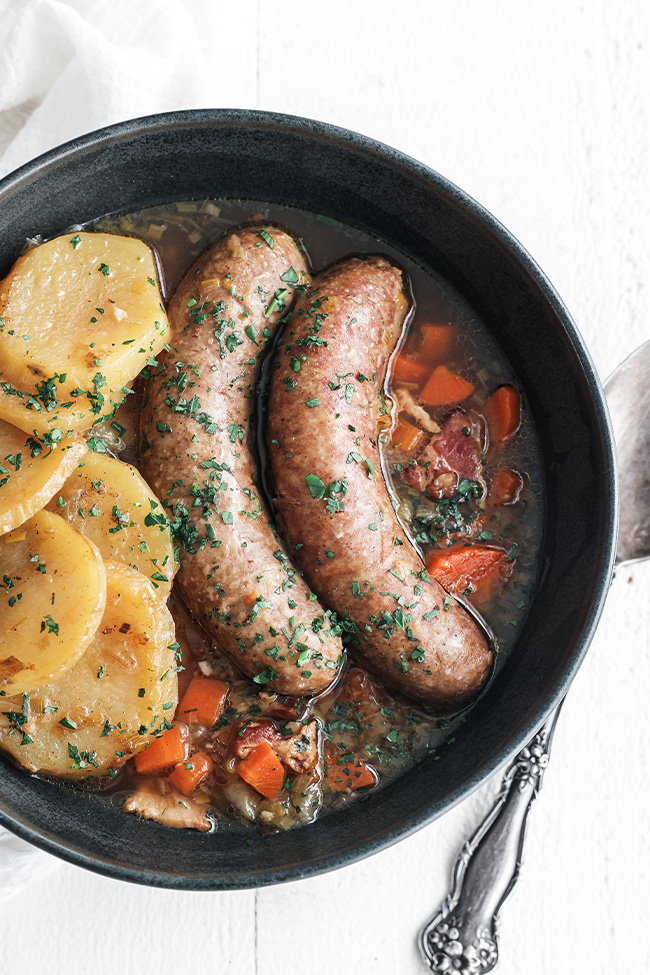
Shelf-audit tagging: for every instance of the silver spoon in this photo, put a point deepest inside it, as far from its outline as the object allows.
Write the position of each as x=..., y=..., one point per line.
x=461, y=939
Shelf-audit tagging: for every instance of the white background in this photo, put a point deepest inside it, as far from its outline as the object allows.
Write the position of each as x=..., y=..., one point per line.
x=541, y=111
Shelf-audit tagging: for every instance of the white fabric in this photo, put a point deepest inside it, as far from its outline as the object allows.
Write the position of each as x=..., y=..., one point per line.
x=70, y=75
x=70, y=66
x=21, y=864
x=66, y=68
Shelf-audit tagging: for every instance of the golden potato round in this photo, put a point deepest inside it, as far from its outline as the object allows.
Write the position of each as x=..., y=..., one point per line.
x=80, y=316
x=31, y=472
x=52, y=598
x=112, y=504
x=103, y=710
x=23, y=410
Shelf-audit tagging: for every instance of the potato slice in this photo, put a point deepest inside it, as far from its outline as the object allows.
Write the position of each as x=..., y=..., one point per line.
x=24, y=410
x=102, y=711
x=31, y=472
x=79, y=317
x=112, y=504
x=52, y=597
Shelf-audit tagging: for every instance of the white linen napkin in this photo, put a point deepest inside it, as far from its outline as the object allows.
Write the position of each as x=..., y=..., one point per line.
x=21, y=864
x=68, y=67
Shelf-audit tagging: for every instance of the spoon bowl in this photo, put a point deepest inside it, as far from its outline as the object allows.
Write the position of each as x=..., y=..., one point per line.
x=628, y=398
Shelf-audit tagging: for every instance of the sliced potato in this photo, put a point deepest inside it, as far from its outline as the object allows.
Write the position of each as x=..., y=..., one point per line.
x=31, y=472
x=79, y=317
x=112, y=504
x=24, y=410
x=105, y=709
x=52, y=597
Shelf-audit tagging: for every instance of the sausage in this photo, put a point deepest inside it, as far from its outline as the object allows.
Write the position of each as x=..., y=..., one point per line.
x=333, y=504
x=198, y=454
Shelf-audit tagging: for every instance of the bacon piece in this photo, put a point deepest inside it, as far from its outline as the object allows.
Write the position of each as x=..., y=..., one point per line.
x=246, y=735
x=300, y=751
x=285, y=708
x=451, y=456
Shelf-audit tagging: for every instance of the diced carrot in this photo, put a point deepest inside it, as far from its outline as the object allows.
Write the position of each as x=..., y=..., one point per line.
x=436, y=343
x=204, y=701
x=263, y=770
x=358, y=695
x=357, y=689
x=505, y=488
x=250, y=598
x=406, y=435
x=445, y=387
x=187, y=776
x=475, y=567
x=405, y=369
x=162, y=753
x=344, y=776
x=502, y=410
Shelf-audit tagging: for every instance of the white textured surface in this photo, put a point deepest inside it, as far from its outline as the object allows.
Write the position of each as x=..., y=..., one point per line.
x=541, y=111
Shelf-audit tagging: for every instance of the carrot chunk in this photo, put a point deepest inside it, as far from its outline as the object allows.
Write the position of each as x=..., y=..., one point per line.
x=345, y=775
x=445, y=387
x=187, y=776
x=405, y=369
x=502, y=410
x=263, y=770
x=163, y=753
x=475, y=567
x=406, y=435
x=204, y=701
x=436, y=343
x=358, y=694
x=505, y=488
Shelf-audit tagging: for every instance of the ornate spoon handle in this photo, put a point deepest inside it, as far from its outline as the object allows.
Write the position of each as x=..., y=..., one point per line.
x=462, y=938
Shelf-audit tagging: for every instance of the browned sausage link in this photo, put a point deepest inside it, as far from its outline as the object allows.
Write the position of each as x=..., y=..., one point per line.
x=333, y=503
x=198, y=454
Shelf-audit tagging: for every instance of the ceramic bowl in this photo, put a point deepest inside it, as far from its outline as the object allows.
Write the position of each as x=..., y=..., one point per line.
x=340, y=174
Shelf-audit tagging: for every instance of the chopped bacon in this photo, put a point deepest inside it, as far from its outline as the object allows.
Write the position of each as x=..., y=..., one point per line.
x=453, y=455
x=285, y=708
x=300, y=751
x=248, y=734
x=416, y=475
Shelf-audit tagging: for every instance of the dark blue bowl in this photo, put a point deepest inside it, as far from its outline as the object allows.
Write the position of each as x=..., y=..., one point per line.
x=343, y=175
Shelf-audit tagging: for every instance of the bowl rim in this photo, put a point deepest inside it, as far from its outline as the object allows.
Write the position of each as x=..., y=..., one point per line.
x=602, y=433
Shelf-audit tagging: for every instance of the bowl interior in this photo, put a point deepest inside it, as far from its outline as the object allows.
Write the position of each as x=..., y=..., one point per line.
x=347, y=177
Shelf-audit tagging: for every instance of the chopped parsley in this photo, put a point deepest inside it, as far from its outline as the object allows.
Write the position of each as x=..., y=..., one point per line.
x=266, y=237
